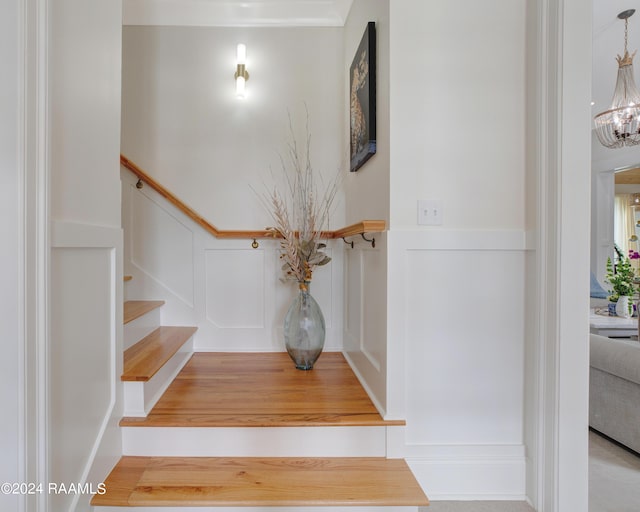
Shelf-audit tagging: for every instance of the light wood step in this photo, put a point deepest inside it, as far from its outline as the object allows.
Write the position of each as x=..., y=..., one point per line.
x=127, y=278
x=255, y=482
x=259, y=405
x=262, y=390
x=136, y=308
x=143, y=360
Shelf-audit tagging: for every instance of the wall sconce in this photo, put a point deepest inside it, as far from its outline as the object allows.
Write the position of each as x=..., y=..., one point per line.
x=241, y=74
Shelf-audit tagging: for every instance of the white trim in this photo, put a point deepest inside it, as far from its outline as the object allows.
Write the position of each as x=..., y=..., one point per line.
x=21, y=159
x=469, y=472
x=34, y=161
x=465, y=451
x=71, y=234
x=231, y=13
x=365, y=386
x=558, y=348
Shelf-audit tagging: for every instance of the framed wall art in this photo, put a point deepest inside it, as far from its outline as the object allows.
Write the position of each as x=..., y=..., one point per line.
x=362, y=81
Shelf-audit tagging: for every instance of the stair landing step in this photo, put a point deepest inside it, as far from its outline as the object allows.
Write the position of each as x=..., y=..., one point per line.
x=136, y=308
x=262, y=390
x=254, y=482
x=145, y=358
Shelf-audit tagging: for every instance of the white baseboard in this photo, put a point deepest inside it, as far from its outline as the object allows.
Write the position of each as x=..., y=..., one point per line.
x=492, y=472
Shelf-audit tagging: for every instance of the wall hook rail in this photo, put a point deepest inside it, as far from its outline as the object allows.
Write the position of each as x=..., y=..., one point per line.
x=372, y=241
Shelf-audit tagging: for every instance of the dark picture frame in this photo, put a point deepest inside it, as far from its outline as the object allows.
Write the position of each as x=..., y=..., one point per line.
x=362, y=100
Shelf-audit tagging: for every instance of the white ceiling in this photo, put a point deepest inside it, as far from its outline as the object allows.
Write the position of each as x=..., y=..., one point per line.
x=236, y=13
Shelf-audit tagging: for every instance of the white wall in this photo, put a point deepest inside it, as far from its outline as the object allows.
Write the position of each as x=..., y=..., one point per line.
x=183, y=124
x=457, y=291
x=457, y=112
x=368, y=188
x=367, y=197
x=226, y=288
x=11, y=440
x=85, y=112
x=86, y=240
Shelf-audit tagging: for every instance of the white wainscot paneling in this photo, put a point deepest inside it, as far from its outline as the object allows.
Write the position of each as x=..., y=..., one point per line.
x=461, y=315
x=374, y=293
x=235, y=290
x=465, y=325
x=82, y=359
x=365, y=331
x=353, y=306
x=365, y=326
x=162, y=246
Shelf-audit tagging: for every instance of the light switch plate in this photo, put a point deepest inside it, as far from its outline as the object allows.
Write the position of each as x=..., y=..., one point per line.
x=430, y=212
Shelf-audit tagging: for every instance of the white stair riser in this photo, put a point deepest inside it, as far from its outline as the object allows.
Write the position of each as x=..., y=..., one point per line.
x=259, y=509
x=255, y=441
x=137, y=329
x=140, y=397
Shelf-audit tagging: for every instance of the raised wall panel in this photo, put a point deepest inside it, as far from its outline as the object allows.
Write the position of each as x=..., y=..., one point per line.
x=353, y=306
x=365, y=324
x=456, y=340
x=82, y=360
x=162, y=247
x=235, y=294
x=374, y=292
x=465, y=323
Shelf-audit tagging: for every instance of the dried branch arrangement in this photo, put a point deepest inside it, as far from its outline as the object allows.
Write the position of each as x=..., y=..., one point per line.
x=301, y=211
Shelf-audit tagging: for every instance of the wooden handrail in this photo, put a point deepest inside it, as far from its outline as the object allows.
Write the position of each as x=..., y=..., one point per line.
x=360, y=228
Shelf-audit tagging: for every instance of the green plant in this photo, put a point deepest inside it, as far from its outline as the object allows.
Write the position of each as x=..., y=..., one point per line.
x=620, y=278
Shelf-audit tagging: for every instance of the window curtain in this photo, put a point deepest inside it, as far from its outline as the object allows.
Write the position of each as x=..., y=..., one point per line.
x=623, y=223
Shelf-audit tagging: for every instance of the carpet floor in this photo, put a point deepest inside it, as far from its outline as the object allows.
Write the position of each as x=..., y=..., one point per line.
x=614, y=477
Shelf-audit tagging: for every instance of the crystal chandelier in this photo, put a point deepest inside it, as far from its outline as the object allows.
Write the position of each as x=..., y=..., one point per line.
x=620, y=125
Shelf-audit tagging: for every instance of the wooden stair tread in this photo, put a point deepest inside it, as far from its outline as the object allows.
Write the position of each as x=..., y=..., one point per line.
x=127, y=278
x=254, y=482
x=260, y=420
x=145, y=358
x=136, y=308
x=262, y=389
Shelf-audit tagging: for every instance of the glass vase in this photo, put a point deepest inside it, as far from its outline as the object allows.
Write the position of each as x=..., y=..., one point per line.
x=304, y=329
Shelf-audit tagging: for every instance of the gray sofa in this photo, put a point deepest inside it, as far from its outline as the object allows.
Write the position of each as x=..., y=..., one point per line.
x=614, y=389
